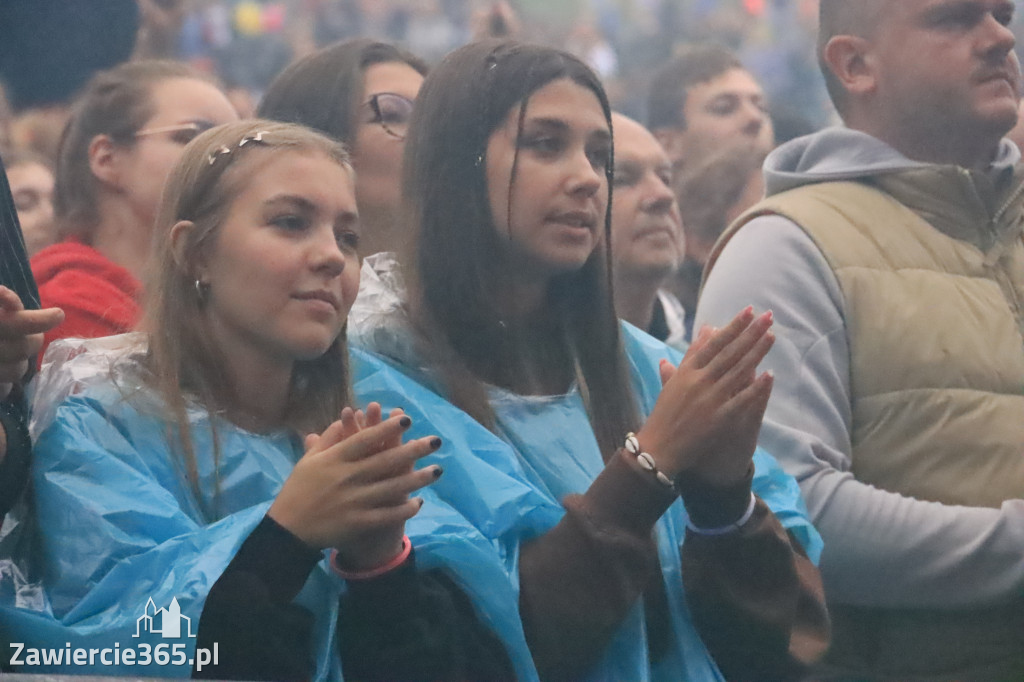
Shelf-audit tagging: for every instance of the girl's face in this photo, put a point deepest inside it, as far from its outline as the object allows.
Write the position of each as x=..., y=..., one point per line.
x=182, y=108
x=283, y=269
x=553, y=212
x=383, y=114
x=32, y=188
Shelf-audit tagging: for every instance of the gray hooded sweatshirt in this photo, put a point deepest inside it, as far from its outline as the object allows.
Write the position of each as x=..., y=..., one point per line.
x=882, y=550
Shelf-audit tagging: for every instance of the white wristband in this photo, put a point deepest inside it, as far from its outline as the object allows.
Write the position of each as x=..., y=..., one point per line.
x=732, y=527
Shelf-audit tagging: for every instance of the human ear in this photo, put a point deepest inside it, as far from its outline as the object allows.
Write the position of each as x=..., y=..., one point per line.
x=103, y=160
x=192, y=263
x=850, y=60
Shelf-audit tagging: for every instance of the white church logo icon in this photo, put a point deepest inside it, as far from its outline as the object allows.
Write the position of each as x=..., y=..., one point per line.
x=165, y=622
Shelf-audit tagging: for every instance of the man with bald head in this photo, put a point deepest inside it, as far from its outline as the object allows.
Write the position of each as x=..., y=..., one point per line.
x=646, y=234
x=892, y=253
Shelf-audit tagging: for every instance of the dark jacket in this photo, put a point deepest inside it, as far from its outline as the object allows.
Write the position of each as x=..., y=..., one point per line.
x=14, y=274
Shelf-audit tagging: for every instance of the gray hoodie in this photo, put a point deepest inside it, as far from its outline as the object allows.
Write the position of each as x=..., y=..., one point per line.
x=882, y=550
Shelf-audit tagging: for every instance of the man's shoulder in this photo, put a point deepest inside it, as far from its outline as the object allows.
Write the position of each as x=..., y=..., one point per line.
x=772, y=264
x=818, y=197
x=767, y=241
x=813, y=221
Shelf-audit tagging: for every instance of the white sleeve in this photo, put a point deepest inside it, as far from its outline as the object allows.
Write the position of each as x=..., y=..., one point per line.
x=881, y=549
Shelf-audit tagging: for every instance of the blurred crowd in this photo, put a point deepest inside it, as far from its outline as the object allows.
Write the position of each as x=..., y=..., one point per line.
x=244, y=44
x=247, y=42
x=623, y=40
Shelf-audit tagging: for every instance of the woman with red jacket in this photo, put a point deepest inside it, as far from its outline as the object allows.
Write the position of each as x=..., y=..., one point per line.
x=125, y=133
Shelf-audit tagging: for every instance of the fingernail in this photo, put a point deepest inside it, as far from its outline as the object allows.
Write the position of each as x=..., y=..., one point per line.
x=437, y=472
x=435, y=443
x=421, y=502
x=771, y=373
x=405, y=422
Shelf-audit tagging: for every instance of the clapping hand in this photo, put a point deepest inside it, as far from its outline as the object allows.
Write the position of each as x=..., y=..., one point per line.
x=351, y=490
x=708, y=416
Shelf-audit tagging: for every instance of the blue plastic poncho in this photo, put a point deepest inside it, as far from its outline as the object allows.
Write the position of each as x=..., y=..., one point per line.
x=498, y=492
x=121, y=525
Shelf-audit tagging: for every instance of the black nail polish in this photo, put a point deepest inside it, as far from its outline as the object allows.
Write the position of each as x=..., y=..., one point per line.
x=405, y=422
x=437, y=472
x=435, y=443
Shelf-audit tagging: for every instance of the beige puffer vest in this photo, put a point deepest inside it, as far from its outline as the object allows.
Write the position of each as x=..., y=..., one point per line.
x=934, y=321
x=933, y=287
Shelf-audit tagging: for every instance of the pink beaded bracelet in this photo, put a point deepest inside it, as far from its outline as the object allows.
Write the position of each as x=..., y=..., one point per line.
x=391, y=565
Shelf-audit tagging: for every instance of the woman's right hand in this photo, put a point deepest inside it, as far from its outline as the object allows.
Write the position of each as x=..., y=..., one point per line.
x=351, y=489
x=706, y=421
x=21, y=336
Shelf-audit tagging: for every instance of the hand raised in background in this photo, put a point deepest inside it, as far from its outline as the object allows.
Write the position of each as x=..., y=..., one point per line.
x=21, y=337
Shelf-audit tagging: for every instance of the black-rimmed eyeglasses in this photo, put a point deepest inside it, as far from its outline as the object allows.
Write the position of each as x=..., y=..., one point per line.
x=392, y=112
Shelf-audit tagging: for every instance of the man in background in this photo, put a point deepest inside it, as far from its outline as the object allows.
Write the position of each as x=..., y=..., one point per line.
x=646, y=234
x=711, y=116
x=703, y=100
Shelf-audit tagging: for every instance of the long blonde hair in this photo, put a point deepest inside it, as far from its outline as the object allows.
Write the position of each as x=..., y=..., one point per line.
x=183, y=360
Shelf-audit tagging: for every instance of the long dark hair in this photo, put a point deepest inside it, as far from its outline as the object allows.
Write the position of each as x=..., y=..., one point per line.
x=455, y=268
x=322, y=90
